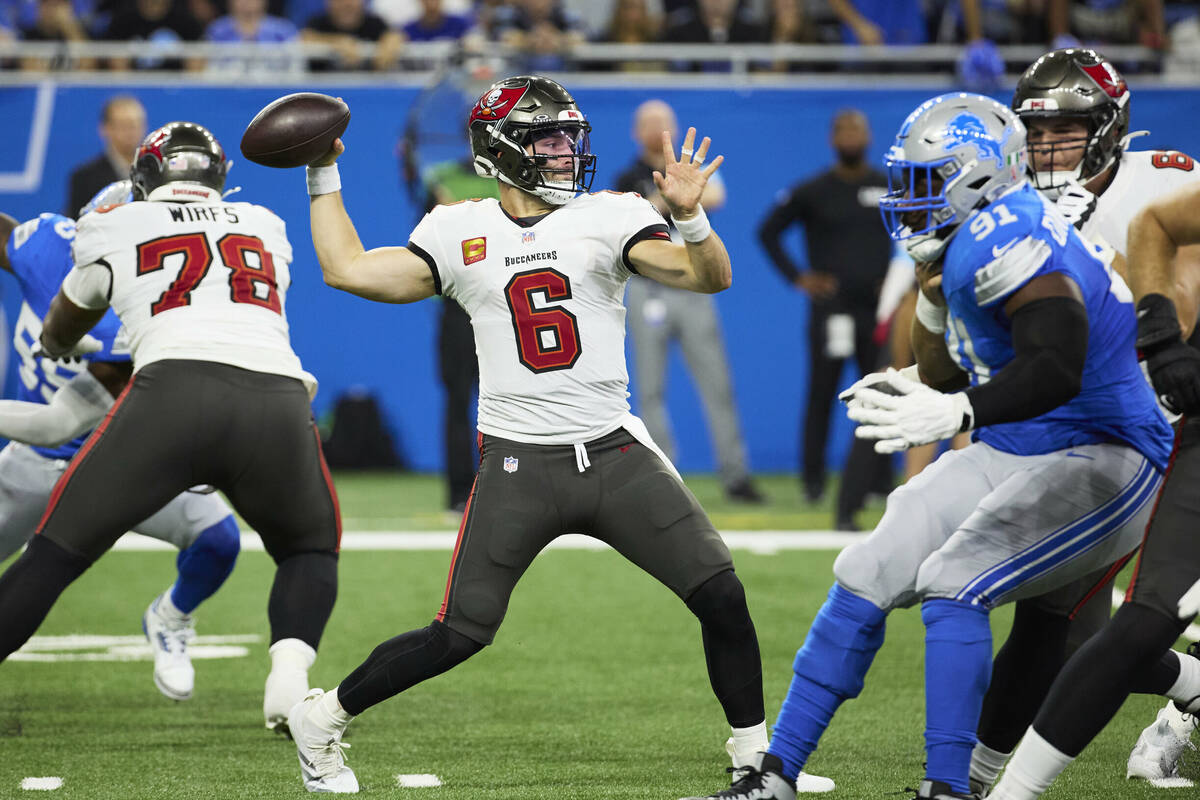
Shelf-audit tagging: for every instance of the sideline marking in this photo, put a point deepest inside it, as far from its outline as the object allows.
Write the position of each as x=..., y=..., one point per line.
x=759, y=542
x=41, y=784
x=419, y=780
x=84, y=647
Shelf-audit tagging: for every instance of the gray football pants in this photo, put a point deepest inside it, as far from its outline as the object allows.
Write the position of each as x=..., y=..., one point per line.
x=658, y=315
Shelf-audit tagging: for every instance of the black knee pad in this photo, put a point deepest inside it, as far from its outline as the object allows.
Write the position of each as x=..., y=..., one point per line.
x=720, y=605
x=454, y=646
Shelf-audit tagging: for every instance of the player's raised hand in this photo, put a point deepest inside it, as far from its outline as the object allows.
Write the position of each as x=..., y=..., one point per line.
x=682, y=181
x=336, y=148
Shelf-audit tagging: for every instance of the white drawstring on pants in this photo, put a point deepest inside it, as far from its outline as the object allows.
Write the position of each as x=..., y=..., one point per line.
x=581, y=457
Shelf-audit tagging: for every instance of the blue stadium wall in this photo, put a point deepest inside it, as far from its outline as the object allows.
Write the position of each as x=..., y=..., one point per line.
x=771, y=138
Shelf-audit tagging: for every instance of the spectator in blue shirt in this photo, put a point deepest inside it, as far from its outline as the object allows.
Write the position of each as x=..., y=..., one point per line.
x=434, y=23
x=542, y=29
x=248, y=21
x=881, y=21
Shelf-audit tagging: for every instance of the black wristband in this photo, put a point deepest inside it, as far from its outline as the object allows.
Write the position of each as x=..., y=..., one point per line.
x=1157, y=322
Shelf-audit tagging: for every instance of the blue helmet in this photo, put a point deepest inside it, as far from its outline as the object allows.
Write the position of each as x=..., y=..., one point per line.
x=114, y=194
x=954, y=154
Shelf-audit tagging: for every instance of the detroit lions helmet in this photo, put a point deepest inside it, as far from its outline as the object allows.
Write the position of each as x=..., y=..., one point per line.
x=180, y=162
x=954, y=154
x=115, y=194
x=1076, y=83
x=523, y=111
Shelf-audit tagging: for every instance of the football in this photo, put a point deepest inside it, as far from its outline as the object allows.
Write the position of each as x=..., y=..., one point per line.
x=295, y=129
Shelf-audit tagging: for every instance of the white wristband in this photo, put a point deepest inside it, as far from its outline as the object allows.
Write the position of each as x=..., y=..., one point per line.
x=694, y=229
x=323, y=180
x=932, y=317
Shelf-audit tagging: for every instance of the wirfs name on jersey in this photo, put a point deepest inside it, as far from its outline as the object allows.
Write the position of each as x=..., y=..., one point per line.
x=551, y=255
x=187, y=213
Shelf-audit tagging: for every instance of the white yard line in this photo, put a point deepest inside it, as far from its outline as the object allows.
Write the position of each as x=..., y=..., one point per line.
x=41, y=784
x=418, y=781
x=762, y=542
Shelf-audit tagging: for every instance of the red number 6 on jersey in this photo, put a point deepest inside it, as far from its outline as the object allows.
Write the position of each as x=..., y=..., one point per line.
x=547, y=338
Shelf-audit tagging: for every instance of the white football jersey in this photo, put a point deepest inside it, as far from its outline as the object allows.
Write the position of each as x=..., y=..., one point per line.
x=200, y=281
x=1142, y=177
x=545, y=302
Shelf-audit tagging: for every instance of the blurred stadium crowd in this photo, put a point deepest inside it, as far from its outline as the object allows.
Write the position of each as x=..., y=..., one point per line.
x=547, y=32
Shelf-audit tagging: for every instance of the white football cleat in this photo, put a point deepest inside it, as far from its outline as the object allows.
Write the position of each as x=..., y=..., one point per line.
x=1157, y=752
x=320, y=751
x=805, y=783
x=174, y=674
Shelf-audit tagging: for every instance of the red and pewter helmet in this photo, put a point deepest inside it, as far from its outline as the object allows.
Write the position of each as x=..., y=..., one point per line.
x=180, y=162
x=1077, y=83
x=514, y=114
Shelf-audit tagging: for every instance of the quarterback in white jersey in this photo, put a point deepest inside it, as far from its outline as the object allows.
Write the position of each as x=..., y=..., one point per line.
x=217, y=397
x=541, y=272
x=549, y=372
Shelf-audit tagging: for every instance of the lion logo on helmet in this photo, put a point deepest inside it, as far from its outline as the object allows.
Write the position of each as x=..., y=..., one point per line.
x=969, y=129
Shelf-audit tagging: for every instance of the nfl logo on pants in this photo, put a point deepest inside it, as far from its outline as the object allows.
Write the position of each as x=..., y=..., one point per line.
x=510, y=464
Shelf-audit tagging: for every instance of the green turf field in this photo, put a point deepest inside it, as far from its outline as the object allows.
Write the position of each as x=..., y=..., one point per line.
x=595, y=688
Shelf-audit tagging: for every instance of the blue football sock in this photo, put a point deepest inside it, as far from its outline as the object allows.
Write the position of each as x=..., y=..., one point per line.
x=958, y=667
x=205, y=564
x=829, y=669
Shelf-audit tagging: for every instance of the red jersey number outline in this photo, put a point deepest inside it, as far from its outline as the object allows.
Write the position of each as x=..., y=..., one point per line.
x=1172, y=159
x=530, y=322
x=197, y=258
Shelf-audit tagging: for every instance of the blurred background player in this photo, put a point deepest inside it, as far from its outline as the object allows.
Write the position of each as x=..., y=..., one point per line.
x=450, y=182
x=1076, y=108
x=122, y=128
x=217, y=397
x=58, y=404
x=848, y=256
x=660, y=315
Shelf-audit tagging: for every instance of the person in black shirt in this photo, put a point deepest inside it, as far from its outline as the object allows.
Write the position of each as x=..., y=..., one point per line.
x=848, y=254
x=154, y=22
x=345, y=25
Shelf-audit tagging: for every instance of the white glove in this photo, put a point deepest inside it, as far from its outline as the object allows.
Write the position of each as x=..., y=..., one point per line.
x=915, y=415
x=1189, y=604
x=873, y=379
x=1075, y=203
x=88, y=344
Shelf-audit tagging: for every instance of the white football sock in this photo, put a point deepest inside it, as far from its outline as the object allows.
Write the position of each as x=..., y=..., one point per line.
x=167, y=609
x=292, y=654
x=1033, y=767
x=1187, y=686
x=328, y=713
x=746, y=742
x=986, y=763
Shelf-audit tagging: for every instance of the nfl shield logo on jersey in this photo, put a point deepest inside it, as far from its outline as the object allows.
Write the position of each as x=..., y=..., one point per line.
x=510, y=464
x=528, y=237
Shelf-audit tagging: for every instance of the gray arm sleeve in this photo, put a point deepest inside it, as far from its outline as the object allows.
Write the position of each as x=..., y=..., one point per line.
x=74, y=409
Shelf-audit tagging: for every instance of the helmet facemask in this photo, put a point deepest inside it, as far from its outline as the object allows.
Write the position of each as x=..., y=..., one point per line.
x=1092, y=153
x=953, y=155
x=528, y=133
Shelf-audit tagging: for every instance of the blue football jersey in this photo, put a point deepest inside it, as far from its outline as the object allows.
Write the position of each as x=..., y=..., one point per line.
x=1000, y=248
x=40, y=253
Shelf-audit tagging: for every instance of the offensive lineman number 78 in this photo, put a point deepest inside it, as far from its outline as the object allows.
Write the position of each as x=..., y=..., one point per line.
x=251, y=270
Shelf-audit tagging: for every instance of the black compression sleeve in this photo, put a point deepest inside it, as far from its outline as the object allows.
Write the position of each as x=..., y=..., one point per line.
x=1050, y=340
